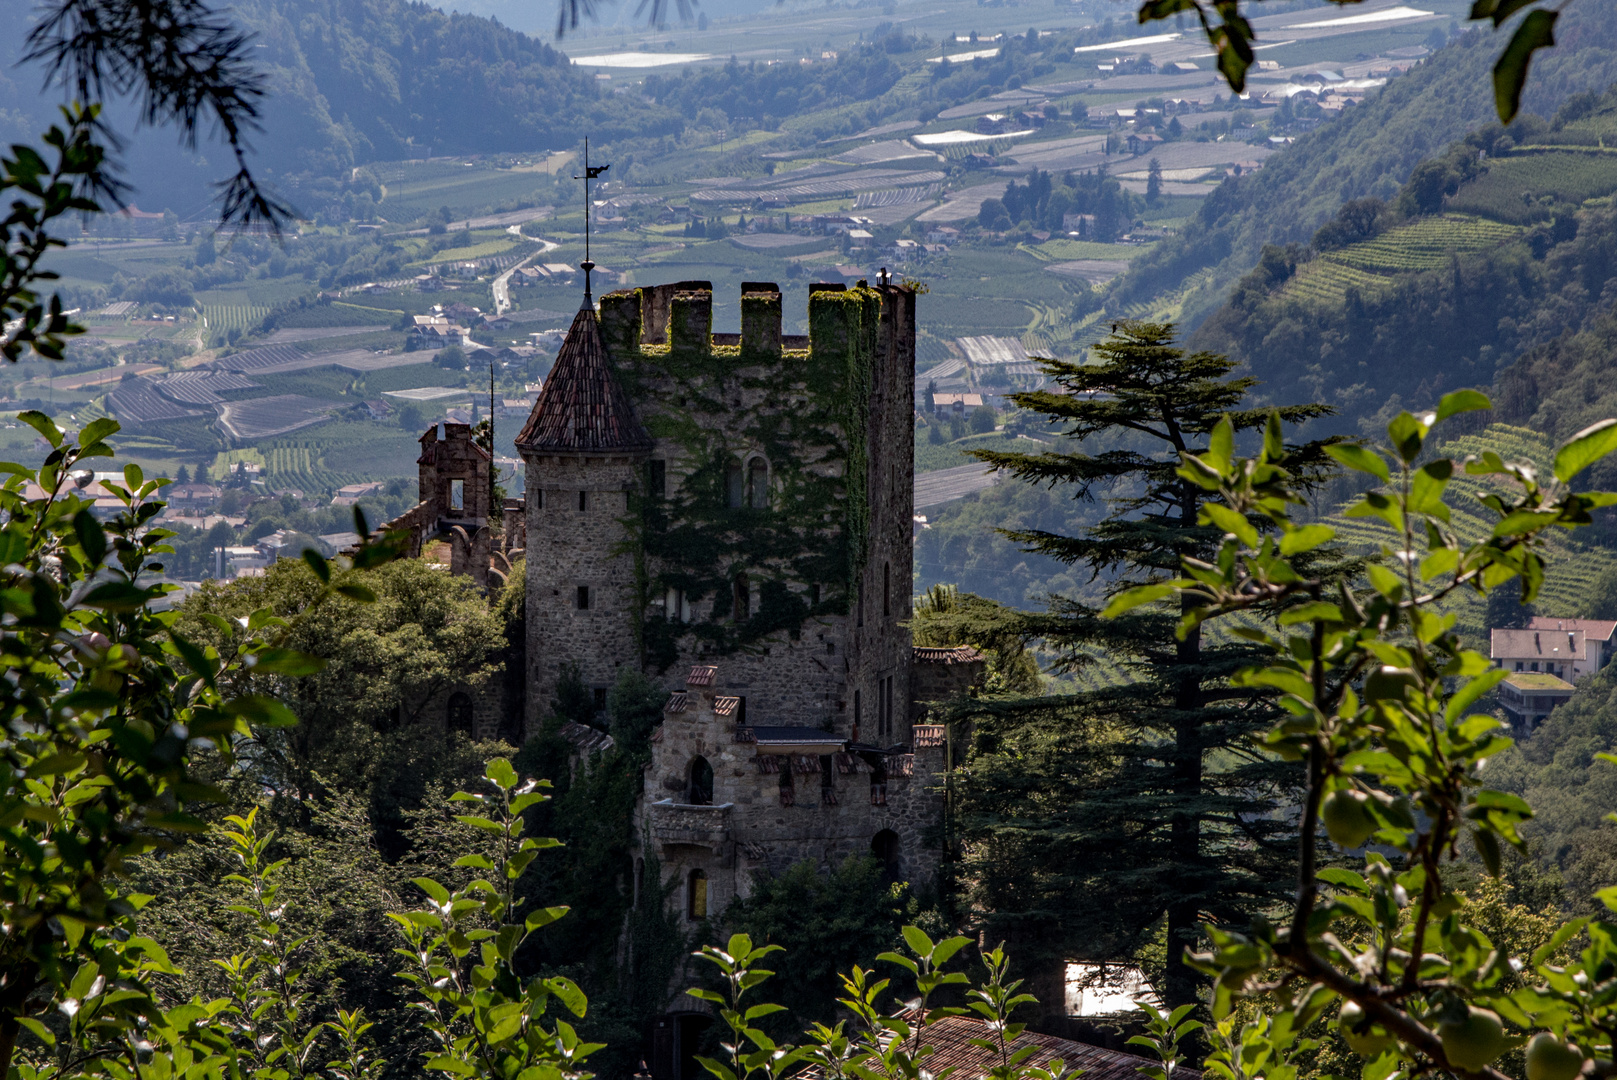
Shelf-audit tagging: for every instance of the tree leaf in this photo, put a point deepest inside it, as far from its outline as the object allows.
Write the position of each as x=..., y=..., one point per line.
x=1462, y=401
x=1584, y=449
x=1133, y=598
x=1357, y=457
x=1537, y=31
x=284, y=662
x=317, y=563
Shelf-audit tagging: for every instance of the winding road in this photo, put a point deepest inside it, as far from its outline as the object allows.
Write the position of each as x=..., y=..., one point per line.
x=502, y=284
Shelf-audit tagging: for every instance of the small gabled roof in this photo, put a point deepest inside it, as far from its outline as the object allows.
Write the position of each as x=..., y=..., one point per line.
x=582, y=407
x=1593, y=629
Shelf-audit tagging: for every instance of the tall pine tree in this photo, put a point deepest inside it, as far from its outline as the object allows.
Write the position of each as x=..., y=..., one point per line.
x=1091, y=819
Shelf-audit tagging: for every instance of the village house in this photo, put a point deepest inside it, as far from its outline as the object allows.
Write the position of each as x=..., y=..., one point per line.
x=956, y=404
x=1567, y=648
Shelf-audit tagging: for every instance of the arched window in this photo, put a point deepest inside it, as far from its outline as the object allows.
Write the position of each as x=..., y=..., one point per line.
x=758, y=484
x=696, y=895
x=743, y=599
x=458, y=716
x=699, y=790
x=884, y=846
x=735, y=486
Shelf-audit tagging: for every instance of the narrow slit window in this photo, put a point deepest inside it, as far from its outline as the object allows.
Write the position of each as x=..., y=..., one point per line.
x=758, y=484
x=743, y=599
x=583, y=501
x=696, y=900
x=583, y=598
x=457, y=494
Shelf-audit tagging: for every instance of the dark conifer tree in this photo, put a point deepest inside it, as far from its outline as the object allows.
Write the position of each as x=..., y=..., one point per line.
x=1091, y=819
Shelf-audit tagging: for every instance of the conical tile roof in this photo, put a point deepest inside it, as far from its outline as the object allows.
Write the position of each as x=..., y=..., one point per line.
x=582, y=407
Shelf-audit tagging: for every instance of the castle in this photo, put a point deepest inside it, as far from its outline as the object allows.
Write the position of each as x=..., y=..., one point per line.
x=732, y=515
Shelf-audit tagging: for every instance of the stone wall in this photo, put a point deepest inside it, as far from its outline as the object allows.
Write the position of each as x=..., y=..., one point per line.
x=939, y=674
x=712, y=407
x=746, y=828
x=569, y=549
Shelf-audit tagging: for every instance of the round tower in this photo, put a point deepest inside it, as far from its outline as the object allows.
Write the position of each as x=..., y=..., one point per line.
x=585, y=451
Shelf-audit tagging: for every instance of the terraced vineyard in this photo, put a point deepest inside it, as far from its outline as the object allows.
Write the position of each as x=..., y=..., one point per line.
x=233, y=316
x=1573, y=566
x=1425, y=244
x=1325, y=281
x=343, y=454
x=1371, y=266
x=1529, y=186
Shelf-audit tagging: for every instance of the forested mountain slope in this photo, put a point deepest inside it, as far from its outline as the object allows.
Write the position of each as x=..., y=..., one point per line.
x=354, y=81
x=1371, y=150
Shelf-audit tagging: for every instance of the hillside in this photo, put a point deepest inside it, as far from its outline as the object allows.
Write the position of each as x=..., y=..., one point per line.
x=357, y=81
x=1370, y=151
x=1491, y=250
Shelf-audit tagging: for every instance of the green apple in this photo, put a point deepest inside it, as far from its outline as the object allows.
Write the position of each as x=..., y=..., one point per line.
x=1548, y=1058
x=1346, y=820
x=1473, y=1043
x=1389, y=683
x=1364, y=1038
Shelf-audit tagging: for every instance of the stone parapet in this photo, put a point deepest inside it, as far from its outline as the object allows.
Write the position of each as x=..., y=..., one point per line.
x=694, y=826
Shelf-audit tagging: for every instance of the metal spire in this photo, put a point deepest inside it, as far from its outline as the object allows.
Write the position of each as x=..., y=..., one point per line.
x=590, y=173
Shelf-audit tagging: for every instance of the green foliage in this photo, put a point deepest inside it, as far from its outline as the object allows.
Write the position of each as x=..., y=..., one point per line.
x=1400, y=742
x=105, y=702
x=364, y=714
x=485, y=1017
x=944, y=616
x=826, y=922
x=813, y=530
x=1074, y=795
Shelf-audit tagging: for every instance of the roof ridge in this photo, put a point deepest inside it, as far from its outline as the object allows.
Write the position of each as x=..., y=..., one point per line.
x=582, y=407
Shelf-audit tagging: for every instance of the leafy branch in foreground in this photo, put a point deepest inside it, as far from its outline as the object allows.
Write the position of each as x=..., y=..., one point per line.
x=104, y=710
x=1231, y=35
x=486, y=1019
x=1378, y=688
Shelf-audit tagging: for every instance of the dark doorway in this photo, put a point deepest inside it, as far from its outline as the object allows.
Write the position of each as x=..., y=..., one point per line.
x=884, y=846
x=700, y=790
x=459, y=714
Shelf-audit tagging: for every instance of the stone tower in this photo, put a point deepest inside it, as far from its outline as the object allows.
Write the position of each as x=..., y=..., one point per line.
x=585, y=450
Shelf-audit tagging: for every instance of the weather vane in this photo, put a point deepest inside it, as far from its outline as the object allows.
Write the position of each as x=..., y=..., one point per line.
x=590, y=173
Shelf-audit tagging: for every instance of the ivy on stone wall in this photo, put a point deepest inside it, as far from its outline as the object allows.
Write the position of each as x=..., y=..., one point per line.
x=806, y=414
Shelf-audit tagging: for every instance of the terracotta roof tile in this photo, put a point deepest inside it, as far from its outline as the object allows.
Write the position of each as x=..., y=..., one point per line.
x=725, y=706
x=702, y=675
x=956, y=654
x=929, y=735
x=676, y=703
x=950, y=1039
x=582, y=407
